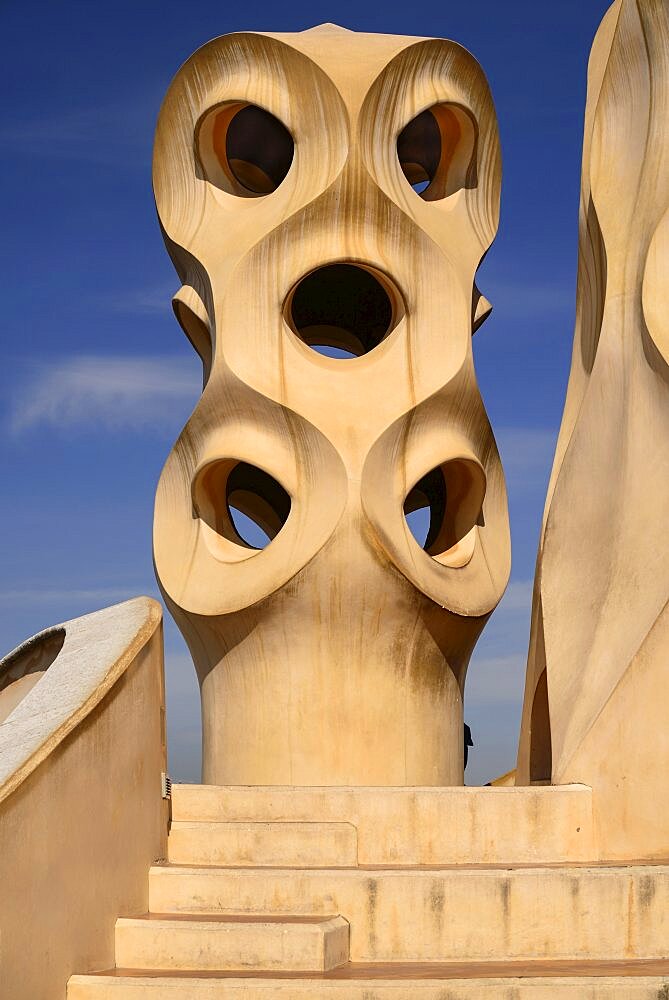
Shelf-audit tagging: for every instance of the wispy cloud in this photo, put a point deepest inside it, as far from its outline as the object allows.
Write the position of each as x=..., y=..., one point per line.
x=152, y=301
x=497, y=679
x=184, y=725
x=519, y=301
x=527, y=454
x=518, y=597
x=117, y=393
x=497, y=671
x=115, y=134
x=58, y=595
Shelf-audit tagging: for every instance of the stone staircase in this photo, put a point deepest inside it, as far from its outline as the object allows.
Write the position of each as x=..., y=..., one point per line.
x=387, y=894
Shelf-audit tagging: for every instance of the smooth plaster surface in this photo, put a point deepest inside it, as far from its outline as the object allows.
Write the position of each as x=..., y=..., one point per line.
x=81, y=814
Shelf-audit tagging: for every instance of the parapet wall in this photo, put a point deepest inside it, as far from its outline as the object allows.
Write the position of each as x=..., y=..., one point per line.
x=81, y=814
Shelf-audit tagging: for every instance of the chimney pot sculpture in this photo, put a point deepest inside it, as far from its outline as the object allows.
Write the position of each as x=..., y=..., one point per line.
x=335, y=190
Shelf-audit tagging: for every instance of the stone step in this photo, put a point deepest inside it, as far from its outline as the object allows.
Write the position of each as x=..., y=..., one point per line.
x=457, y=914
x=305, y=845
x=417, y=826
x=213, y=942
x=541, y=981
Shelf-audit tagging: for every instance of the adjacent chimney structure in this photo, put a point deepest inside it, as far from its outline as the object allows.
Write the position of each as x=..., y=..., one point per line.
x=596, y=691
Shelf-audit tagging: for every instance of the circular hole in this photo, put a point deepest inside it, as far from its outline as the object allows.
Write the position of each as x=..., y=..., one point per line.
x=241, y=502
x=436, y=151
x=443, y=506
x=342, y=310
x=244, y=149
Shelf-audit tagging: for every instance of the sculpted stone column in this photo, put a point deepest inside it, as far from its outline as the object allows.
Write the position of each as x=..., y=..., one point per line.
x=331, y=190
x=598, y=679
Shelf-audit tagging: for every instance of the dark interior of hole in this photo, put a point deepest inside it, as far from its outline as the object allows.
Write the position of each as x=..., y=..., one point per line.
x=259, y=149
x=262, y=500
x=429, y=493
x=541, y=750
x=342, y=306
x=419, y=150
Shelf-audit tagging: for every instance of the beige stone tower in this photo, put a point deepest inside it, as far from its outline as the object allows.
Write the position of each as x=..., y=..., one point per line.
x=598, y=679
x=339, y=189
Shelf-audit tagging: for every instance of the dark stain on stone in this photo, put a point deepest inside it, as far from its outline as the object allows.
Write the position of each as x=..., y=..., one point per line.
x=646, y=891
x=437, y=900
x=437, y=896
x=505, y=892
x=372, y=894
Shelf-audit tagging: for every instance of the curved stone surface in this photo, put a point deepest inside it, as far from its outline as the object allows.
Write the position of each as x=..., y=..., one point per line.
x=81, y=813
x=337, y=654
x=94, y=652
x=597, y=682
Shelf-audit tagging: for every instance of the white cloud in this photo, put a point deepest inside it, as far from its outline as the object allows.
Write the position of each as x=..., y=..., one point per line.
x=151, y=301
x=498, y=679
x=518, y=597
x=524, y=301
x=527, y=455
x=58, y=595
x=496, y=675
x=526, y=447
x=184, y=726
x=115, y=134
x=116, y=393
x=180, y=677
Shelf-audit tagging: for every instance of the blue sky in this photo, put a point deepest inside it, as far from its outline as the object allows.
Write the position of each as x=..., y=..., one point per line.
x=96, y=377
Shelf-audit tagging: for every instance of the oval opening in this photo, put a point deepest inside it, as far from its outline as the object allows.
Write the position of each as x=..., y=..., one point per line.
x=244, y=149
x=444, y=506
x=343, y=310
x=22, y=669
x=437, y=151
x=242, y=503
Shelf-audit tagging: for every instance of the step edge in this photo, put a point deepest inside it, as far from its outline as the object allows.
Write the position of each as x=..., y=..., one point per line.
x=465, y=790
x=190, y=824
x=199, y=919
x=492, y=871
x=140, y=979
